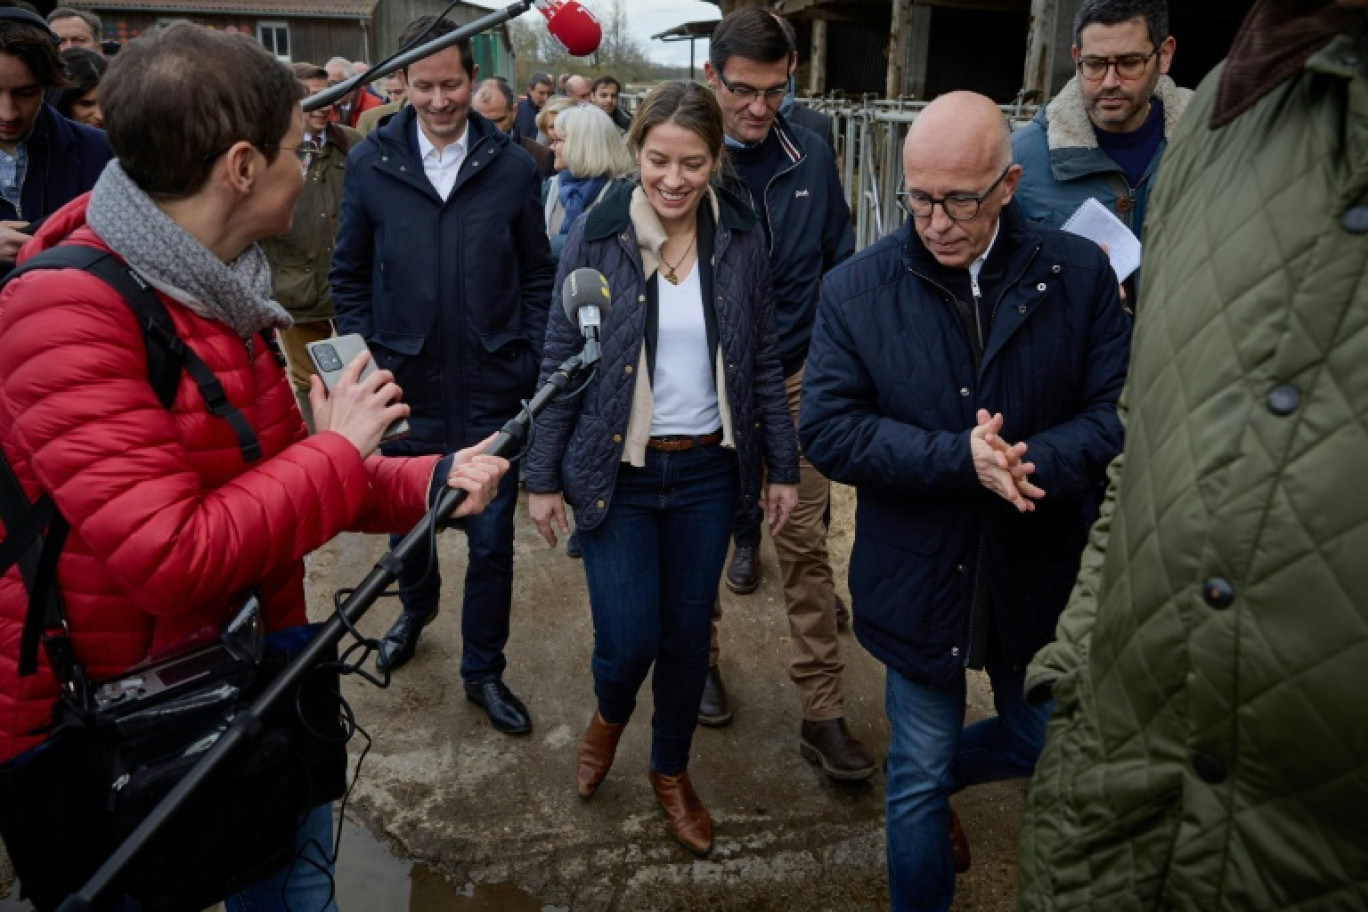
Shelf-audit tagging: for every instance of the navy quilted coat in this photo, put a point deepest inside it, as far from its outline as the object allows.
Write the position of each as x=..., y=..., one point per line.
x=1209, y=745
x=889, y=398
x=578, y=444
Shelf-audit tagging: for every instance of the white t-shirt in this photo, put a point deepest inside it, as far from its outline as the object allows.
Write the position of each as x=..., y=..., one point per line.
x=683, y=385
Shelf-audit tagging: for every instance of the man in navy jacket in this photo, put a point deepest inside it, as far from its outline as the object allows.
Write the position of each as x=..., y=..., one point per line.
x=46, y=161
x=965, y=329
x=789, y=177
x=442, y=264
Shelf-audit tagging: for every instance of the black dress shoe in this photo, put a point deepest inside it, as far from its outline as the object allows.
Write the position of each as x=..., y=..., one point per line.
x=506, y=712
x=743, y=573
x=831, y=745
x=714, y=711
x=399, y=644
x=842, y=615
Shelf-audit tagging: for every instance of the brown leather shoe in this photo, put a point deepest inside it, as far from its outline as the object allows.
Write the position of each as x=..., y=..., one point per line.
x=959, y=845
x=690, y=824
x=594, y=756
x=840, y=754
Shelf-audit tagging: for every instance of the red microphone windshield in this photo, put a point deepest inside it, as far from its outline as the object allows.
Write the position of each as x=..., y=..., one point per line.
x=573, y=26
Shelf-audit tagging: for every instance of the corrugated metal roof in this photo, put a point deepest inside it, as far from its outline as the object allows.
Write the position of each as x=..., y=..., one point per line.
x=320, y=9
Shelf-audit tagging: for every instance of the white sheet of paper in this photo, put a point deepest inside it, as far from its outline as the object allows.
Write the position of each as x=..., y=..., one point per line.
x=1097, y=223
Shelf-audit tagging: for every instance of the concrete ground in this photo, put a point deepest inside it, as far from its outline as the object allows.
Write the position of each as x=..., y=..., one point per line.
x=493, y=821
x=487, y=809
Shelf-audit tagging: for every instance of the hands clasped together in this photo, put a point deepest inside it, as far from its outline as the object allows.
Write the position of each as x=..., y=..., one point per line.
x=1000, y=465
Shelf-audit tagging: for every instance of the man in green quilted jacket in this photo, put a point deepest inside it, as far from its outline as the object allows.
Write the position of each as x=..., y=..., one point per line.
x=1209, y=746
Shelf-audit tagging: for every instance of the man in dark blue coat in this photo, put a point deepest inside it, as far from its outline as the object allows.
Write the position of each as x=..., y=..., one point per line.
x=442, y=263
x=967, y=328
x=46, y=161
x=788, y=175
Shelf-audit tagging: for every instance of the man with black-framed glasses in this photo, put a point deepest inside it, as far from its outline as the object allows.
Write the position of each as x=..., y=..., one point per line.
x=963, y=378
x=788, y=176
x=1105, y=132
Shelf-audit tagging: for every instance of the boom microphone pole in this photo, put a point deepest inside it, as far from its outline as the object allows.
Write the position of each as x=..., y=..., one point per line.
x=570, y=23
x=246, y=724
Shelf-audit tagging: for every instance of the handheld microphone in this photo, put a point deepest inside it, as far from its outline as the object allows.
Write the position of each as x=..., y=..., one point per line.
x=572, y=25
x=585, y=298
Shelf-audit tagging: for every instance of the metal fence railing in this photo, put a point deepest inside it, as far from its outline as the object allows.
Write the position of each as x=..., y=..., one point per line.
x=868, y=137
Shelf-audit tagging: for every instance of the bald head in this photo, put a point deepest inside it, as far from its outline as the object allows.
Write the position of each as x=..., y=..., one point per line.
x=959, y=127
x=958, y=153
x=577, y=88
x=494, y=100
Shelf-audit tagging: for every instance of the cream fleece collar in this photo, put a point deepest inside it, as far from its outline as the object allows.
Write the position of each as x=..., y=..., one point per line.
x=1069, y=127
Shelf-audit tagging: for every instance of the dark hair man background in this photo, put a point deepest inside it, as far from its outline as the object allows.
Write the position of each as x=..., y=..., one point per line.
x=964, y=329
x=75, y=28
x=443, y=265
x=494, y=101
x=788, y=176
x=1104, y=133
x=45, y=160
x=605, y=92
x=539, y=88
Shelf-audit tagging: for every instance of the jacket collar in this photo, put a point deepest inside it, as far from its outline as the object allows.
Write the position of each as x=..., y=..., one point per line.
x=394, y=134
x=1015, y=234
x=1066, y=119
x=337, y=137
x=613, y=213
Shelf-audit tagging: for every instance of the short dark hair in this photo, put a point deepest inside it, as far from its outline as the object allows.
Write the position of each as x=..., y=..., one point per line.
x=685, y=104
x=429, y=27
x=85, y=68
x=303, y=71
x=751, y=33
x=1113, y=12
x=35, y=45
x=89, y=18
x=537, y=79
x=167, y=130
x=603, y=81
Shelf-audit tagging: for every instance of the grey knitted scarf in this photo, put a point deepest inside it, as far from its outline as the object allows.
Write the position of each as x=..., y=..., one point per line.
x=237, y=294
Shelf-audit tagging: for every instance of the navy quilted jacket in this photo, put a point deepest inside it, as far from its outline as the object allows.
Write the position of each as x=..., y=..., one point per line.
x=889, y=397
x=578, y=444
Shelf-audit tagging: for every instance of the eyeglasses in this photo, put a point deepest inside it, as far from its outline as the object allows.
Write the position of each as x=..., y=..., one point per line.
x=748, y=94
x=959, y=207
x=1128, y=66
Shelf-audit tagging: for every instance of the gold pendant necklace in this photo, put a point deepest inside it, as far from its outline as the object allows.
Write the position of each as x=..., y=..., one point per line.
x=673, y=276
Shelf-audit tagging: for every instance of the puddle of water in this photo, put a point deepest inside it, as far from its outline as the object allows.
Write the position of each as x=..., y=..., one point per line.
x=370, y=879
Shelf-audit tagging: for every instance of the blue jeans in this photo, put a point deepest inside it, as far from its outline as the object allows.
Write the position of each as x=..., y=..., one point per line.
x=306, y=885
x=488, y=584
x=931, y=755
x=653, y=566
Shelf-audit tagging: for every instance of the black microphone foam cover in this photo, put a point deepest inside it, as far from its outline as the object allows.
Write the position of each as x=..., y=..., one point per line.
x=584, y=287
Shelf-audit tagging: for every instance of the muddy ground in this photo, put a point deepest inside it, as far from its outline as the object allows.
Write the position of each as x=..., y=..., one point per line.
x=480, y=820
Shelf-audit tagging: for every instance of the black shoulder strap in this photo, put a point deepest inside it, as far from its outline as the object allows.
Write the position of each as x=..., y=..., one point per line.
x=167, y=355
x=25, y=542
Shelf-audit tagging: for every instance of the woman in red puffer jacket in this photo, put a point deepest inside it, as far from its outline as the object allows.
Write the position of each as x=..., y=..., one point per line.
x=169, y=524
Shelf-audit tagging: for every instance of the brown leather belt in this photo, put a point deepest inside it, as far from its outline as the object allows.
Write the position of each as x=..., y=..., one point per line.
x=683, y=442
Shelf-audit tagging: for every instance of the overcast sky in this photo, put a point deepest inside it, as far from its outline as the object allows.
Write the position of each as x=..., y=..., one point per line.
x=650, y=17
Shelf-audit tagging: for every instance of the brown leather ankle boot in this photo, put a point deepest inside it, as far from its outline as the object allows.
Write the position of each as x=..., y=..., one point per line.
x=594, y=756
x=690, y=824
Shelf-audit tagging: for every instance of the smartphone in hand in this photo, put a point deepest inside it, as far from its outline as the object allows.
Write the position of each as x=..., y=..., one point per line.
x=330, y=356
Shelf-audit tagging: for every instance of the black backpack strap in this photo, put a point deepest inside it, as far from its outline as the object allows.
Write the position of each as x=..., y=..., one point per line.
x=36, y=554
x=166, y=353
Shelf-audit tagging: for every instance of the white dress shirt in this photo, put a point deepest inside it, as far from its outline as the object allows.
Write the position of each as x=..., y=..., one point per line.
x=442, y=165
